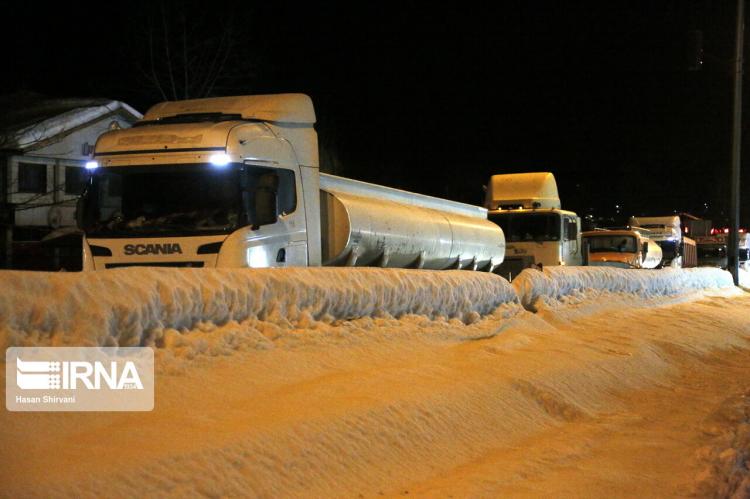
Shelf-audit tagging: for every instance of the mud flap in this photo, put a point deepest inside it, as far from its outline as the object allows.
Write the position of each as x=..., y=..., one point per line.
x=513, y=266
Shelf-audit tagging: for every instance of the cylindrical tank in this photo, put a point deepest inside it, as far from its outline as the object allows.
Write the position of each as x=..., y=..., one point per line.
x=365, y=230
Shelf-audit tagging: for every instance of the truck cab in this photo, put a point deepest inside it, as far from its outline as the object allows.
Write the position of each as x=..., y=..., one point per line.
x=627, y=248
x=713, y=250
x=204, y=183
x=537, y=232
x=678, y=251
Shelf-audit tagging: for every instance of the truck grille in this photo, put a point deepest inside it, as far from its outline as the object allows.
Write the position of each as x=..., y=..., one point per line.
x=153, y=264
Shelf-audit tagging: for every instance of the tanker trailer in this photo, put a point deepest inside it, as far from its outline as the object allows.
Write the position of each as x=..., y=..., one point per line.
x=372, y=225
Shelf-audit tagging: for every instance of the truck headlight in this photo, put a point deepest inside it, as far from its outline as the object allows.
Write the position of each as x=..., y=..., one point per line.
x=220, y=159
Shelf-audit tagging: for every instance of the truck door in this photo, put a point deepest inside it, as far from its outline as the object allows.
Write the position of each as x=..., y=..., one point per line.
x=285, y=240
x=275, y=234
x=571, y=246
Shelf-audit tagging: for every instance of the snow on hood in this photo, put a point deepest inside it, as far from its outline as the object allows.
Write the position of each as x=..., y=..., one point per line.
x=133, y=306
x=558, y=282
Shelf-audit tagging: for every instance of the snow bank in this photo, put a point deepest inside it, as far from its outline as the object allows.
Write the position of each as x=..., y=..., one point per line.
x=559, y=282
x=136, y=306
x=521, y=408
x=744, y=279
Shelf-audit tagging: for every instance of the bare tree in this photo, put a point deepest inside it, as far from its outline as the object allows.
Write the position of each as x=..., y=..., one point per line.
x=183, y=50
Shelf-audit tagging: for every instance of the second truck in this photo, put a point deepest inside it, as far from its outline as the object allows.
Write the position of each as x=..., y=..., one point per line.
x=537, y=232
x=678, y=250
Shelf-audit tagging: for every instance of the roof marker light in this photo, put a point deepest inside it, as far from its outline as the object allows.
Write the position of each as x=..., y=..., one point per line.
x=92, y=165
x=220, y=159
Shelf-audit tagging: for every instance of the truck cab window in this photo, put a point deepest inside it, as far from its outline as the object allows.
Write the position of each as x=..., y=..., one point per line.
x=612, y=244
x=287, y=195
x=257, y=180
x=571, y=232
x=528, y=227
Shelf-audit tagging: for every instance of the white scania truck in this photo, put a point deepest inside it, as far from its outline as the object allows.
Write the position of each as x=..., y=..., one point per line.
x=234, y=182
x=537, y=232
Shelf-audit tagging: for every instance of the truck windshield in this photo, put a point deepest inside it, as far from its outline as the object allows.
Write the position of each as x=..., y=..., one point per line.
x=520, y=227
x=136, y=201
x=611, y=244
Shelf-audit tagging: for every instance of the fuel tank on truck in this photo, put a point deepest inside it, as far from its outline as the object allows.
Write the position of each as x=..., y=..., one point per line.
x=370, y=225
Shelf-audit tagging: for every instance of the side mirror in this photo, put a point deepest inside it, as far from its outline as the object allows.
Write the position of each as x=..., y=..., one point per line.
x=645, y=249
x=79, y=212
x=85, y=215
x=585, y=252
x=266, y=203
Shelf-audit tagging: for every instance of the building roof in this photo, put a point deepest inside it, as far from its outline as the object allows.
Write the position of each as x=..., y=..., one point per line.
x=28, y=120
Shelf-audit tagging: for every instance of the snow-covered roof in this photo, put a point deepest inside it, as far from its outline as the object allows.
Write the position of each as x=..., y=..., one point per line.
x=29, y=121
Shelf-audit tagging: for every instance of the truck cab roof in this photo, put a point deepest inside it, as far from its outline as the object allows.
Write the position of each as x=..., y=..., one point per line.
x=279, y=108
x=262, y=127
x=525, y=190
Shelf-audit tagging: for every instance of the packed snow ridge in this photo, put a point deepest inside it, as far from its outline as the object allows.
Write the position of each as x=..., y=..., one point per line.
x=148, y=306
x=129, y=307
x=559, y=282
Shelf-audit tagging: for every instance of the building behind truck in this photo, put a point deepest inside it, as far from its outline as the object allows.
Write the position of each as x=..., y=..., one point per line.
x=537, y=231
x=678, y=250
x=235, y=182
x=44, y=145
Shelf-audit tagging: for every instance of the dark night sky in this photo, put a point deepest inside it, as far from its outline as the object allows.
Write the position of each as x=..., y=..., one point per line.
x=436, y=99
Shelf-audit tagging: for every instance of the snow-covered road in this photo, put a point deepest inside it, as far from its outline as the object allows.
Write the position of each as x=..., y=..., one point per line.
x=606, y=392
